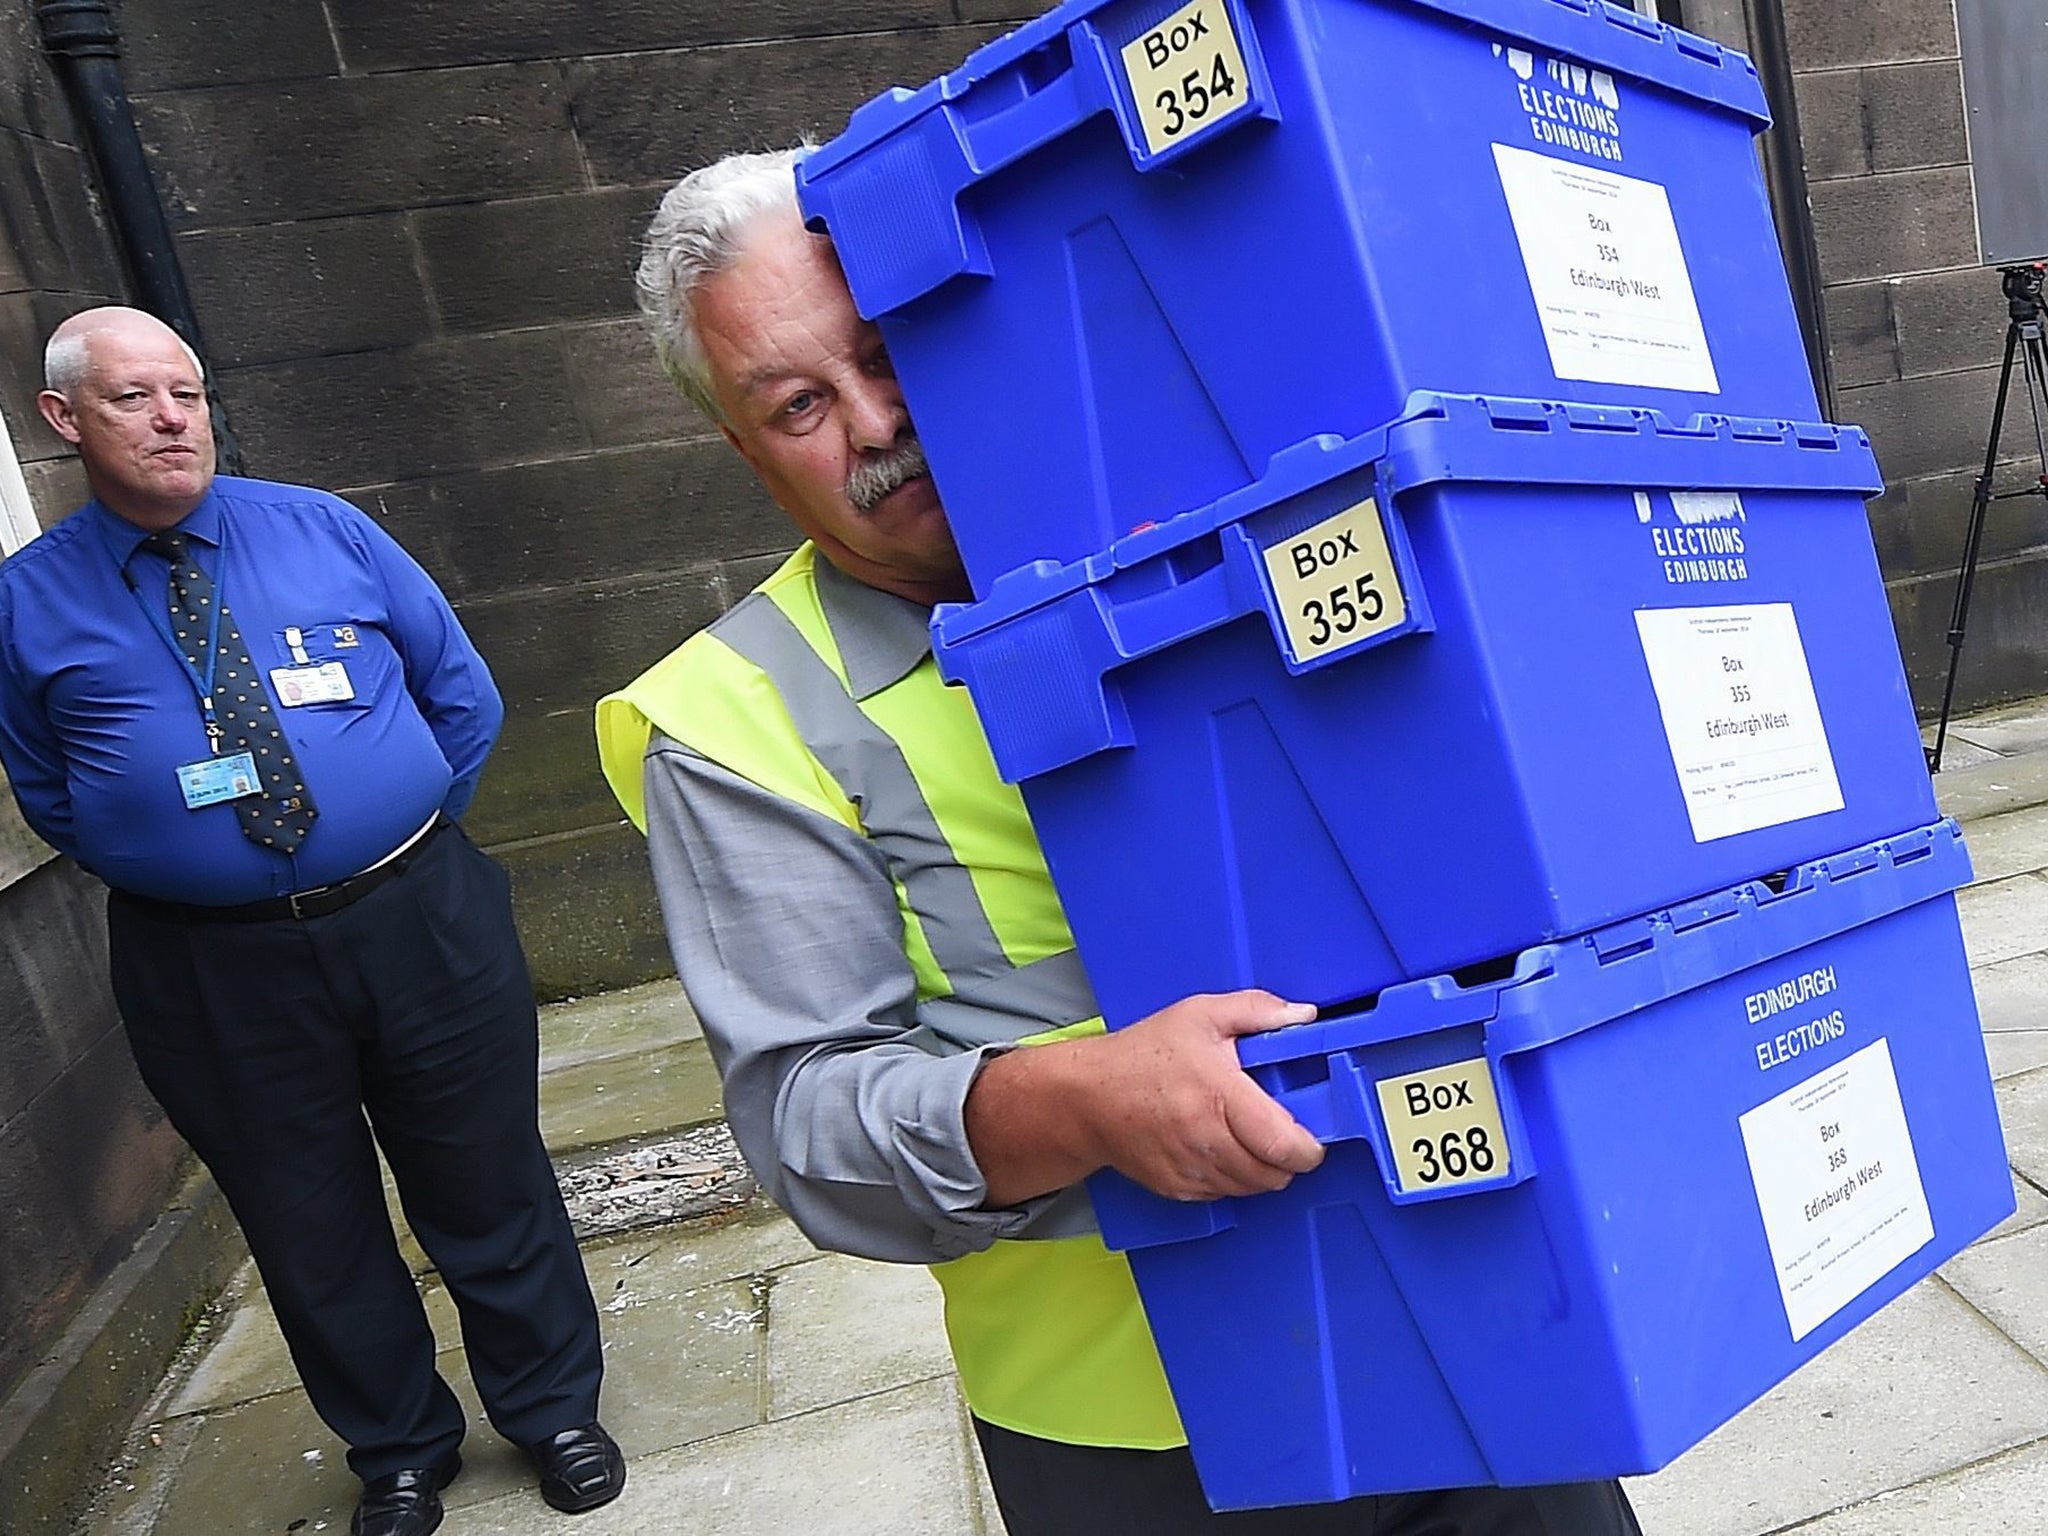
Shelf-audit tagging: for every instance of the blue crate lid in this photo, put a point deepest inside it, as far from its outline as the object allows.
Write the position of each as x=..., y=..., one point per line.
x=888, y=187
x=1564, y=988
x=1442, y=437
x=1593, y=31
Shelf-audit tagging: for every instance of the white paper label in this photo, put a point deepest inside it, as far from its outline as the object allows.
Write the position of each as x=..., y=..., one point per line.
x=1607, y=272
x=1739, y=716
x=327, y=683
x=1838, y=1185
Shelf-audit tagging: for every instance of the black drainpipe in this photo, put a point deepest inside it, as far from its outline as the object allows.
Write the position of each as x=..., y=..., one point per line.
x=84, y=42
x=1785, y=168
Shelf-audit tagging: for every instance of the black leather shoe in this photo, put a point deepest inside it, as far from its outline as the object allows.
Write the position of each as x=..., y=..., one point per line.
x=404, y=1503
x=580, y=1468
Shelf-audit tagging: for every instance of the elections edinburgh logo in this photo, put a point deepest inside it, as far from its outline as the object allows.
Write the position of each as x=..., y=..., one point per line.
x=1570, y=106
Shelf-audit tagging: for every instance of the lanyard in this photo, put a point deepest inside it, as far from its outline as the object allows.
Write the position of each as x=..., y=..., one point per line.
x=202, y=682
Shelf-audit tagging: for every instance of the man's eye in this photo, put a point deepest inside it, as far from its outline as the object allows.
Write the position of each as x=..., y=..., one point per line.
x=800, y=402
x=881, y=365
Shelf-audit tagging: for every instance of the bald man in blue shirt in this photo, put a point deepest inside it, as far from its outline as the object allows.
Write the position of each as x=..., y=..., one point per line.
x=246, y=709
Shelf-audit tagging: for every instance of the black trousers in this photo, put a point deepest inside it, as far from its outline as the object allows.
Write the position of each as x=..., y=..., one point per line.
x=1049, y=1489
x=277, y=1048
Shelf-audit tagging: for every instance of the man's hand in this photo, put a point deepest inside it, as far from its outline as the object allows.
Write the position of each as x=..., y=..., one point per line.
x=1163, y=1101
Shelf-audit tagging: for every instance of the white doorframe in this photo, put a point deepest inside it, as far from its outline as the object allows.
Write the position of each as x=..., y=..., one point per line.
x=17, y=513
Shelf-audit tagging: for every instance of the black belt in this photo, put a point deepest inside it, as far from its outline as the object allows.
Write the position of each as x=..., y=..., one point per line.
x=317, y=902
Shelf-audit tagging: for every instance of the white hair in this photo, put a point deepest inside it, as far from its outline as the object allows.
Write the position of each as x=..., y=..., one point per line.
x=67, y=358
x=694, y=235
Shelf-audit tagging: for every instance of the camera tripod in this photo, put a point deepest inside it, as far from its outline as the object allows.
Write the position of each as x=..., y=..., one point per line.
x=2023, y=335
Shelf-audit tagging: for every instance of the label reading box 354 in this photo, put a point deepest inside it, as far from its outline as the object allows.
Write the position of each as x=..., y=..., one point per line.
x=1186, y=74
x=1335, y=583
x=1444, y=1125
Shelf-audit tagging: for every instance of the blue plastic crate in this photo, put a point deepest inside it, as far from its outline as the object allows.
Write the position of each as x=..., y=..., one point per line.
x=1097, y=324
x=1572, y=1221
x=1486, y=759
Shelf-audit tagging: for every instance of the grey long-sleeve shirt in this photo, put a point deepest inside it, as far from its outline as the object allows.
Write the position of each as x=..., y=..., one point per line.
x=789, y=942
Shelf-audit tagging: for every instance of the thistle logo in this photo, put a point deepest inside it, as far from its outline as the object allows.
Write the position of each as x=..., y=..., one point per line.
x=1710, y=541
x=1571, y=106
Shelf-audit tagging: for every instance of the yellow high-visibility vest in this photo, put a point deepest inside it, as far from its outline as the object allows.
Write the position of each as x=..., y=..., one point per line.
x=1049, y=1336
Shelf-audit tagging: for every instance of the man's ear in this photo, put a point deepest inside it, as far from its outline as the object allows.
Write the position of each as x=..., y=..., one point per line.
x=58, y=413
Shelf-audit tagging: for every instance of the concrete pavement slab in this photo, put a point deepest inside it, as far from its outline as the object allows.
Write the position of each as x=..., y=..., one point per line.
x=2010, y=729
x=249, y=1360
x=2013, y=994
x=896, y=1463
x=615, y=1024
x=1993, y=788
x=1923, y=1388
x=2006, y=1494
x=845, y=1328
x=673, y=1259
x=2011, y=844
x=1958, y=753
x=2030, y=1209
x=253, y=1470
x=141, y=1481
x=2016, y=1051
x=2006, y=1279
x=2005, y=918
x=685, y=1367
x=614, y=1098
x=2023, y=1110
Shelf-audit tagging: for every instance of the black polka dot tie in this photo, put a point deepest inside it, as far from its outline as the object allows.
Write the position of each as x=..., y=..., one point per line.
x=283, y=813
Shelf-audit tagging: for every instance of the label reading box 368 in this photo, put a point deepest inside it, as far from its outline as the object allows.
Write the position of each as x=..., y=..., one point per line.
x=1444, y=1125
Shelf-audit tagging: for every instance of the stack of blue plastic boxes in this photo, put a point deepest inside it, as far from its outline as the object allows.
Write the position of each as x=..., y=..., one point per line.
x=1413, y=579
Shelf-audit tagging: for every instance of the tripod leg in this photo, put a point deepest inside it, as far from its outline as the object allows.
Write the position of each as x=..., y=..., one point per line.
x=1980, y=500
x=2034, y=364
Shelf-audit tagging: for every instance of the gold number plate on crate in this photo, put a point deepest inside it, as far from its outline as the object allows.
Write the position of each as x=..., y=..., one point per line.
x=1186, y=73
x=1445, y=1127
x=1335, y=582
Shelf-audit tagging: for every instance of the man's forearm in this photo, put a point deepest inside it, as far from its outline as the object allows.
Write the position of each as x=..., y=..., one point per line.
x=1027, y=1124
x=1163, y=1101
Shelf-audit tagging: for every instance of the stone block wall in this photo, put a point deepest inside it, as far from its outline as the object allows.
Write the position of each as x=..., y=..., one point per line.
x=410, y=230
x=1915, y=328
x=86, y=1159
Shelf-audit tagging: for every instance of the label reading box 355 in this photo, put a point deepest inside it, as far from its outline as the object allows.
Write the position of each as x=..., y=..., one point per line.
x=1335, y=583
x=1444, y=1125
x=1186, y=74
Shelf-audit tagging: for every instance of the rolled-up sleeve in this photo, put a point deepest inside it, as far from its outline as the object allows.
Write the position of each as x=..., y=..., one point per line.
x=789, y=943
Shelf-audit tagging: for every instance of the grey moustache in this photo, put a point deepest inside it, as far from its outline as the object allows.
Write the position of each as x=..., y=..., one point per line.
x=874, y=478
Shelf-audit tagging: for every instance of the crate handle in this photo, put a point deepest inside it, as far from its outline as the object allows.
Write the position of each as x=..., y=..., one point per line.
x=1048, y=113
x=1345, y=1107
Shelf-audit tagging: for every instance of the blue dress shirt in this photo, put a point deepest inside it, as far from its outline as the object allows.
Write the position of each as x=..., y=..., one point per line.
x=97, y=712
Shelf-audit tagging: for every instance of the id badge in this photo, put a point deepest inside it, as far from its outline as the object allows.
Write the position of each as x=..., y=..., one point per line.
x=214, y=779
x=325, y=684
